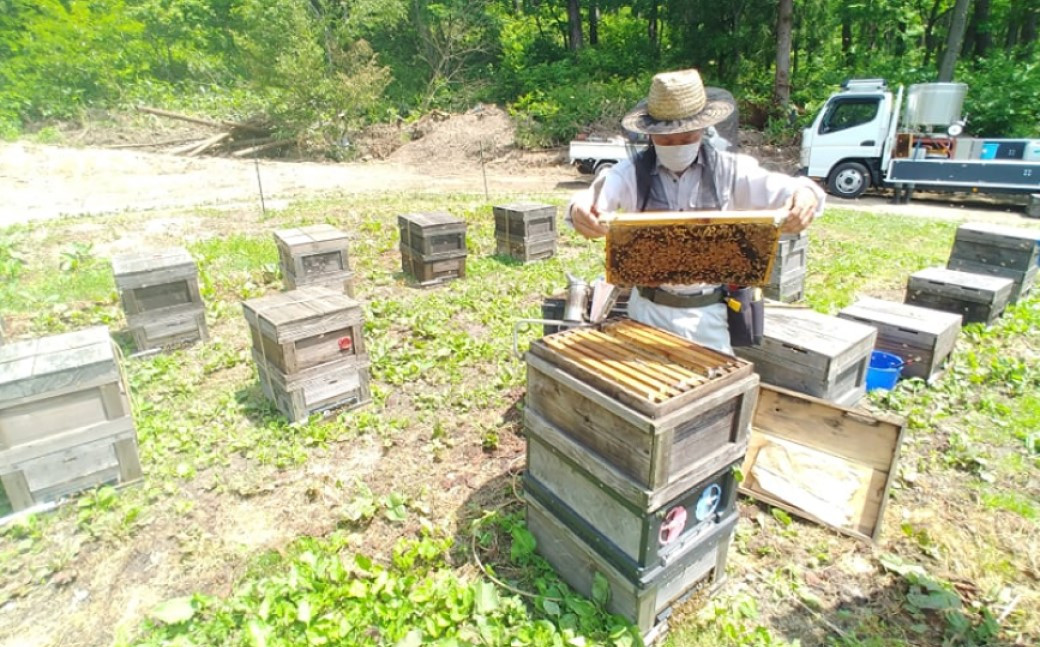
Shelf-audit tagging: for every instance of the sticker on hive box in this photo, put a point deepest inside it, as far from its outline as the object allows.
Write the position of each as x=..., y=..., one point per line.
x=823, y=462
x=653, y=249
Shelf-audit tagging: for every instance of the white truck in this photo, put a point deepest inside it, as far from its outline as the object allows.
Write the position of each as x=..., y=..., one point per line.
x=865, y=137
x=593, y=156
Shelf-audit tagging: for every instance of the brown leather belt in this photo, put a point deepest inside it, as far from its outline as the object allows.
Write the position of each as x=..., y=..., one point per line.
x=665, y=298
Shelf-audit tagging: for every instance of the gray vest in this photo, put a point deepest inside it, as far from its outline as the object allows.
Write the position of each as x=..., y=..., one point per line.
x=709, y=197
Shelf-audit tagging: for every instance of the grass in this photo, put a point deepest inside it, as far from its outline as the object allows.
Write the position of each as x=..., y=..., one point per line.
x=382, y=552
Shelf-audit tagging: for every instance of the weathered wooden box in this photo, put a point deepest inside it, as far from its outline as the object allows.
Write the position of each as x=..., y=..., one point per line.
x=998, y=245
x=65, y=421
x=791, y=289
x=159, y=291
x=922, y=337
x=433, y=269
x=526, y=249
x=315, y=255
x=823, y=356
x=305, y=328
x=520, y=221
x=655, y=406
x=646, y=602
x=640, y=531
x=792, y=257
x=976, y=297
x=429, y=235
x=1023, y=282
x=826, y=463
x=309, y=350
x=341, y=384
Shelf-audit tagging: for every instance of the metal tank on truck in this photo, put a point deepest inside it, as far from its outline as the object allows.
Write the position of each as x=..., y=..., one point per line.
x=864, y=136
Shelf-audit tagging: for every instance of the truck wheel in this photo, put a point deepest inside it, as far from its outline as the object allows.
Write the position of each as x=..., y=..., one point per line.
x=603, y=167
x=848, y=180
x=585, y=168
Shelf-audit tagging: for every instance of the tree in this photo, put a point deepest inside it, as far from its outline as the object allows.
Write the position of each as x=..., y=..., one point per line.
x=574, y=24
x=954, y=38
x=782, y=80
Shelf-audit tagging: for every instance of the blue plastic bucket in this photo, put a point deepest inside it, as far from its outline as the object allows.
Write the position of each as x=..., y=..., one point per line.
x=884, y=370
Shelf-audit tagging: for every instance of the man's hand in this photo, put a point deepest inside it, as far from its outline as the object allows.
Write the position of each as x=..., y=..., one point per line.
x=585, y=217
x=801, y=209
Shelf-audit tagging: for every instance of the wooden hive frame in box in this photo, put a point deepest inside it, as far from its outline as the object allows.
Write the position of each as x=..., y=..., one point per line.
x=653, y=249
x=658, y=407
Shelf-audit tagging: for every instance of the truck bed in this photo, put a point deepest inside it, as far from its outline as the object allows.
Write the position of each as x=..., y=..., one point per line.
x=1004, y=175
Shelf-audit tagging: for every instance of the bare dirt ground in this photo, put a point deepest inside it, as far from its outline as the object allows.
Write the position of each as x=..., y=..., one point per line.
x=468, y=153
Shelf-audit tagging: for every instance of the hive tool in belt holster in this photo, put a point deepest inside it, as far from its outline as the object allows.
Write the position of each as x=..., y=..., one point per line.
x=583, y=306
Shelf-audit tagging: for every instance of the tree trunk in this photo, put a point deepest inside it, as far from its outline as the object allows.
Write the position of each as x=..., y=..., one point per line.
x=594, y=22
x=782, y=81
x=574, y=22
x=929, y=33
x=978, y=39
x=954, y=38
x=1028, y=34
x=846, y=38
x=651, y=25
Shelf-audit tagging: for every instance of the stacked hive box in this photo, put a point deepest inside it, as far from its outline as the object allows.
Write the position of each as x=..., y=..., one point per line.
x=159, y=291
x=632, y=437
x=812, y=353
x=922, y=337
x=433, y=247
x=994, y=250
x=526, y=232
x=309, y=350
x=978, y=298
x=787, y=280
x=65, y=422
x=315, y=255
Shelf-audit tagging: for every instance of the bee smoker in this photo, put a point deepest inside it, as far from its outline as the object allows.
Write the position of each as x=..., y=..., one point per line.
x=577, y=299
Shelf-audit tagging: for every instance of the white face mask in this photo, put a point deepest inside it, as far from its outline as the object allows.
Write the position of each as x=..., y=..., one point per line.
x=677, y=158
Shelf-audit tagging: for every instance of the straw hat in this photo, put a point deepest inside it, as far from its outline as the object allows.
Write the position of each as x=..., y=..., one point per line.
x=677, y=103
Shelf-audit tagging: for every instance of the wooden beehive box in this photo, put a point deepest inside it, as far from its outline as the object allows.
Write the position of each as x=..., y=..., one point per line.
x=1022, y=282
x=432, y=236
x=924, y=338
x=648, y=601
x=159, y=290
x=315, y=255
x=639, y=530
x=817, y=354
x=691, y=247
x=653, y=405
x=309, y=350
x=525, y=221
x=434, y=270
x=65, y=421
x=790, y=290
x=526, y=250
x=792, y=257
x=822, y=462
x=997, y=245
x=977, y=298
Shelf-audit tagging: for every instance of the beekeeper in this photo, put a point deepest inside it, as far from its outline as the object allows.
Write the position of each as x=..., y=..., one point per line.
x=681, y=171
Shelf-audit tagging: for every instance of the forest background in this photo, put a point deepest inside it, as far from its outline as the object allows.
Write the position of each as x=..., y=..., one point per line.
x=322, y=70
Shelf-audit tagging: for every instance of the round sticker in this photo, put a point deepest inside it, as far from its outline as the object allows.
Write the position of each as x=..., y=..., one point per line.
x=708, y=502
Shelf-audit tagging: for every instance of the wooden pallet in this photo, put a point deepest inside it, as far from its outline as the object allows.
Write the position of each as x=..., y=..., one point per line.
x=654, y=249
x=653, y=405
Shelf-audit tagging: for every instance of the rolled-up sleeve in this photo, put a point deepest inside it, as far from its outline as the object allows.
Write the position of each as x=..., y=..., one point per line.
x=614, y=190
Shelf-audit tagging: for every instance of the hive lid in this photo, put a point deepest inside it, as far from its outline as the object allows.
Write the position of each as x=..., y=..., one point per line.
x=152, y=260
x=683, y=248
x=648, y=369
x=970, y=280
x=55, y=362
x=431, y=218
x=1024, y=238
x=825, y=336
x=319, y=233
x=300, y=313
x=903, y=315
x=524, y=207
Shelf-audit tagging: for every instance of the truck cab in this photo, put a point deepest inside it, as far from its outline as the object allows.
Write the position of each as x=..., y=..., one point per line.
x=846, y=141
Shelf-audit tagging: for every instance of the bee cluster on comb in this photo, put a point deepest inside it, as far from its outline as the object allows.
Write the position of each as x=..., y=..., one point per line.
x=686, y=253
